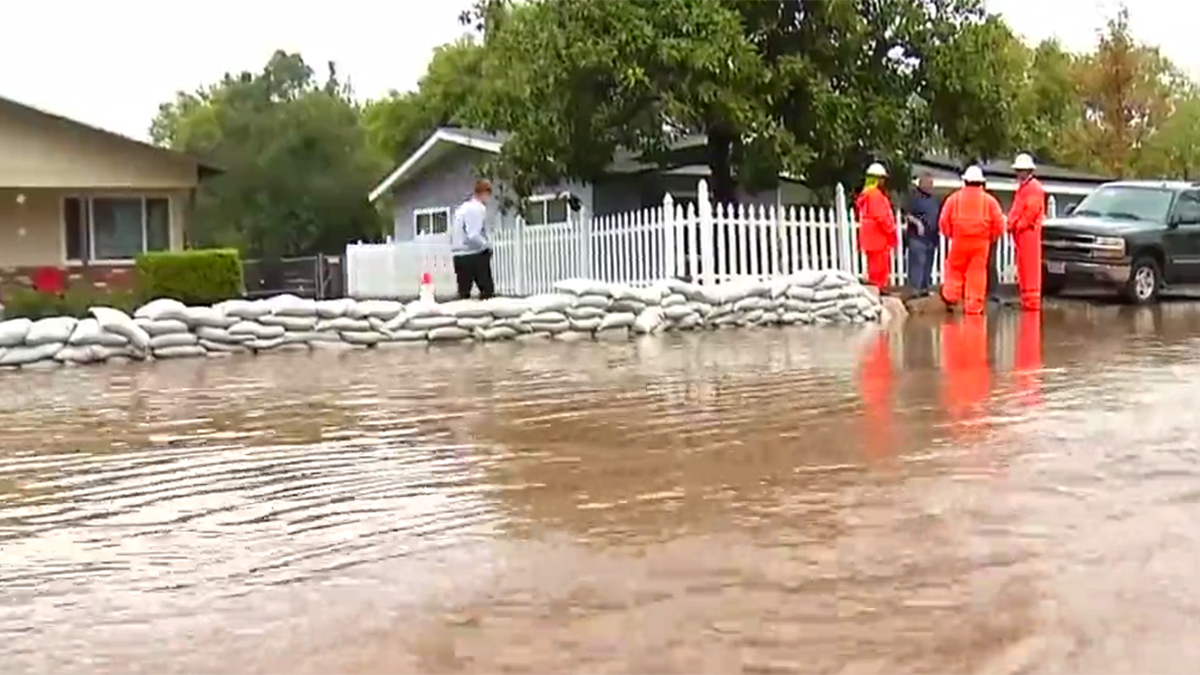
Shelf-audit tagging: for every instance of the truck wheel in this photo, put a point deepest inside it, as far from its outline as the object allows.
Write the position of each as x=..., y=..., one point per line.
x=1053, y=286
x=1145, y=281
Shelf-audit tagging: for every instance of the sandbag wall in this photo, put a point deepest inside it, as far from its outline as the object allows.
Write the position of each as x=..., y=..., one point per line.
x=577, y=309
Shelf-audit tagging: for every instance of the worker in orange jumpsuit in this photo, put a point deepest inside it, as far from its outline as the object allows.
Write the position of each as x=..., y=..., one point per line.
x=972, y=220
x=877, y=226
x=967, y=376
x=1025, y=225
x=875, y=382
x=1027, y=361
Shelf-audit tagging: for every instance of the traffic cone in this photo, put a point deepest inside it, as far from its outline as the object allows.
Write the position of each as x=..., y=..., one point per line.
x=427, y=287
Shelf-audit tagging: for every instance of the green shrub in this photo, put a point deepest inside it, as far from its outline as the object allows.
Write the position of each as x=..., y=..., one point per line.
x=74, y=301
x=197, y=277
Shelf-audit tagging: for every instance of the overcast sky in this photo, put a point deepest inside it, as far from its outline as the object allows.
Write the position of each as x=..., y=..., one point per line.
x=111, y=63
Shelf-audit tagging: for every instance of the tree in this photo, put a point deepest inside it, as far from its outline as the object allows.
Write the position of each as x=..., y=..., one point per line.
x=297, y=168
x=1048, y=111
x=398, y=123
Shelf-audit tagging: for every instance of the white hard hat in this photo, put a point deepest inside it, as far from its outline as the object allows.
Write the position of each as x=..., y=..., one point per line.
x=1023, y=162
x=876, y=169
x=973, y=174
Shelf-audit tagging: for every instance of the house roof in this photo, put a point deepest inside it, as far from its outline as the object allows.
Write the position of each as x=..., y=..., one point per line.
x=204, y=167
x=946, y=170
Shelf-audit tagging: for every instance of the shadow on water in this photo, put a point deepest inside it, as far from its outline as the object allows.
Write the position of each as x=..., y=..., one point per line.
x=978, y=494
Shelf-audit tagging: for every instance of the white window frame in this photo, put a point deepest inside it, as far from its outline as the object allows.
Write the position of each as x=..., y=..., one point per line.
x=429, y=211
x=89, y=223
x=541, y=201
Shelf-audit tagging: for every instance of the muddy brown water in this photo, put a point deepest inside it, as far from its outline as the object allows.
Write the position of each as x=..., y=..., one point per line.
x=994, y=496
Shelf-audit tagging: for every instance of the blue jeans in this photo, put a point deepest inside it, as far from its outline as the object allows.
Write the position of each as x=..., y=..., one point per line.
x=920, y=254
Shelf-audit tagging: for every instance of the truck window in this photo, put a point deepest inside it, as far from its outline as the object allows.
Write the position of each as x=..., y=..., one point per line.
x=1187, y=208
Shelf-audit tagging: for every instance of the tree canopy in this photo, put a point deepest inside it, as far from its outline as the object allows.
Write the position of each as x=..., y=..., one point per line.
x=812, y=88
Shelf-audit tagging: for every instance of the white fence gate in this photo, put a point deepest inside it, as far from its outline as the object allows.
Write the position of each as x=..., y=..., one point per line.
x=708, y=243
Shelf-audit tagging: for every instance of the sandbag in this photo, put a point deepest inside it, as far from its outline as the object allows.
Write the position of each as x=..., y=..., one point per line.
x=506, y=308
x=379, y=325
x=551, y=327
x=162, y=309
x=496, y=333
x=448, y=333
x=808, y=278
x=27, y=354
x=474, y=322
x=264, y=344
x=467, y=309
x=207, y=316
x=221, y=335
x=753, y=317
x=422, y=308
x=550, y=302
x=677, y=312
x=54, y=329
x=515, y=324
x=247, y=310
x=600, y=302
x=649, y=321
x=790, y=317
x=290, y=305
x=256, y=330
x=88, y=353
x=543, y=317
x=88, y=332
x=688, y=322
x=748, y=303
x=180, y=352
x=309, y=337
x=430, y=322
x=290, y=322
x=628, y=306
x=13, y=331
x=617, y=320
x=673, y=299
x=118, y=322
x=332, y=309
x=343, y=323
x=407, y=335
x=581, y=287
x=804, y=293
x=168, y=340
x=585, y=313
x=364, y=338
x=161, y=326
x=586, y=325
x=380, y=309
x=223, y=347
x=827, y=294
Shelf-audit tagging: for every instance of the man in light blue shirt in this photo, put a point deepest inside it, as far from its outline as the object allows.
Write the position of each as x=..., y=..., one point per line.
x=471, y=244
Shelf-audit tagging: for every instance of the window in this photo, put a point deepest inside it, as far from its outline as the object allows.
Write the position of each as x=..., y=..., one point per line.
x=545, y=210
x=115, y=228
x=1187, y=209
x=1126, y=202
x=432, y=221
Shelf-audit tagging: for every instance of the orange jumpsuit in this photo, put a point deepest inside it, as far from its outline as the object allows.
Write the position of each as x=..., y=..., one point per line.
x=1027, y=361
x=876, y=234
x=971, y=219
x=1025, y=225
x=967, y=379
x=875, y=381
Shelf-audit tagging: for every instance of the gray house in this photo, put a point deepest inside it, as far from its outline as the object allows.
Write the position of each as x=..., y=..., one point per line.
x=431, y=182
x=428, y=185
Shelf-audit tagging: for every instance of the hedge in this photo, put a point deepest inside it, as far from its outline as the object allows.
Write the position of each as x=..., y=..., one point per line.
x=196, y=277
x=74, y=301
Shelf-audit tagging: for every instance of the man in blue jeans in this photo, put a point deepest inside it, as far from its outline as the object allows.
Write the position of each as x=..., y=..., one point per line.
x=921, y=236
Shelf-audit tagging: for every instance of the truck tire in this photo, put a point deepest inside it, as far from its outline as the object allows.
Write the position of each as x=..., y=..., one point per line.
x=1145, y=281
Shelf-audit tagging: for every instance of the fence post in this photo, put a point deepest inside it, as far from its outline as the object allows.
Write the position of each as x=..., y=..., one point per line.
x=519, y=255
x=585, y=243
x=842, y=214
x=704, y=211
x=670, y=261
x=1051, y=207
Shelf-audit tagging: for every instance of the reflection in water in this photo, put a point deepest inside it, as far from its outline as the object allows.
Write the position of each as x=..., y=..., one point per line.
x=759, y=500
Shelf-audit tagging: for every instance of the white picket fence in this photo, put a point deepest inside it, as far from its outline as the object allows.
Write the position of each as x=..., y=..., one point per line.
x=707, y=243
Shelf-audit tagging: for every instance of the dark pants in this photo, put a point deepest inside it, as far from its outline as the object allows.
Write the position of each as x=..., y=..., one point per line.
x=993, y=281
x=474, y=269
x=920, y=254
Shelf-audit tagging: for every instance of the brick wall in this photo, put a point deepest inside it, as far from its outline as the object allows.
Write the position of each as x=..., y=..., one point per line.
x=98, y=276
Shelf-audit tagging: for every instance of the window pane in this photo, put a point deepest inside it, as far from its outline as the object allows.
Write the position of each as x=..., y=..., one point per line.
x=158, y=224
x=439, y=222
x=556, y=211
x=117, y=227
x=535, y=213
x=73, y=220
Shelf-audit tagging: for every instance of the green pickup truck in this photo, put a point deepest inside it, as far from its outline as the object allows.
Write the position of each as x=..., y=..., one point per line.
x=1137, y=237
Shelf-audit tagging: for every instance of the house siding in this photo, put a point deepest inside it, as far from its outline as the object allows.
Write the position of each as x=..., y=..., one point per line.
x=448, y=182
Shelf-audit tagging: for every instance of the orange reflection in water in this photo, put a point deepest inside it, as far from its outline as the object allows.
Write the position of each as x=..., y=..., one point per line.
x=1027, y=361
x=966, y=376
x=876, y=380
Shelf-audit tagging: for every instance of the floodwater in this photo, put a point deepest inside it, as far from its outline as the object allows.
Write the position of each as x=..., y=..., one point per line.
x=987, y=496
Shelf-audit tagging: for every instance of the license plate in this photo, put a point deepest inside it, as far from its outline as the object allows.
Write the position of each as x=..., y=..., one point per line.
x=1056, y=268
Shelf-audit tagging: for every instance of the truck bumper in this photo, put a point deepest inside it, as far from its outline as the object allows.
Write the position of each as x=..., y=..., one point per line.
x=1075, y=272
